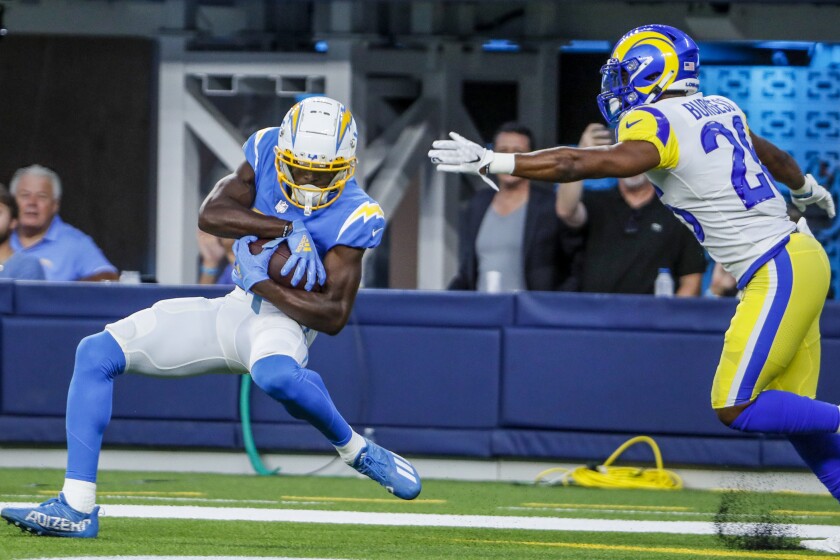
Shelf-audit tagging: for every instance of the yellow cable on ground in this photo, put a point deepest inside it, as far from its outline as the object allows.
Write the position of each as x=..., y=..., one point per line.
x=607, y=476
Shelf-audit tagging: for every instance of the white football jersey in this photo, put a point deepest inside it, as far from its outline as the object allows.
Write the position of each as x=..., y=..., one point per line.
x=710, y=176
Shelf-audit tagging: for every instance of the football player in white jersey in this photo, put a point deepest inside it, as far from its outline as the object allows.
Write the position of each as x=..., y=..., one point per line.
x=296, y=185
x=717, y=176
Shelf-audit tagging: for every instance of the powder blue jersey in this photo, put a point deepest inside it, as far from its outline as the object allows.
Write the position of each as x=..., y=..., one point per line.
x=354, y=219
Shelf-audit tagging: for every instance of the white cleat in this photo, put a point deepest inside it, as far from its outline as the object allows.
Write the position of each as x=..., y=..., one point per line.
x=822, y=545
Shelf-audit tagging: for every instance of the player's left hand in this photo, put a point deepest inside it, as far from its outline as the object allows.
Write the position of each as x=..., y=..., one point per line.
x=251, y=269
x=460, y=155
x=812, y=193
x=304, y=258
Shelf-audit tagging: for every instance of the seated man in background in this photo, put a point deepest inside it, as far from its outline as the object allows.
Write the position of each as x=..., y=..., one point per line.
x=510, y=239
x=16, y=266
x=217, y=259
x=65, y=252
x=629, y=234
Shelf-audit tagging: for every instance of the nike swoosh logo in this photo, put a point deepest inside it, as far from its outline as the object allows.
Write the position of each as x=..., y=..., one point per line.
x=374, y=232
x=628, y=125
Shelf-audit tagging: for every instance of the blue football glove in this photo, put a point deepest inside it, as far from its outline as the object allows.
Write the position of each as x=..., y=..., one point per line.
x=304, y=258
x=251, y=269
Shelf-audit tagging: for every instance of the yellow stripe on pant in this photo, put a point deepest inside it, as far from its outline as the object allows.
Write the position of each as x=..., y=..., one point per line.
x=773, y=341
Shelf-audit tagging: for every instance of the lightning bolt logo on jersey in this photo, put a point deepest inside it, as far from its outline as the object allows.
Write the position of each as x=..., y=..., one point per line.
x=352, y=219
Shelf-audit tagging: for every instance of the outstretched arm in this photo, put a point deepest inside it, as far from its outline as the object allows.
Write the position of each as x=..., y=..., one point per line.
x=558, y=165
x=563, y=165
x=568, y=204
x=326, y=311
x=226, y=212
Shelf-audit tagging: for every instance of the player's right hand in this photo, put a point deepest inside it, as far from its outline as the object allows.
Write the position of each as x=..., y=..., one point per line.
x=596, y=134
x=812, y=193
x=251, y=269
x=304, y=258
x=460, y=155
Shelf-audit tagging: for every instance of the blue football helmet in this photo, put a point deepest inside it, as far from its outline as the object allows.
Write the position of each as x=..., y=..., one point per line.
x=645, y=63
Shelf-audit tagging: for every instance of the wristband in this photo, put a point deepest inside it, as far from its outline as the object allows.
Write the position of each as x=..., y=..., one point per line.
x=288, y=229
x=805, y=190
x=209, y=270
x=502, y=163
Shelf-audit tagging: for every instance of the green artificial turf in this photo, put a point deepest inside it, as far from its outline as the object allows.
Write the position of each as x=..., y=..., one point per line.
x=120, y=536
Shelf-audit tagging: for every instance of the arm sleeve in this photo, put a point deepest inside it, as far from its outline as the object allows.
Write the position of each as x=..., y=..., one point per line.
x=650, y=125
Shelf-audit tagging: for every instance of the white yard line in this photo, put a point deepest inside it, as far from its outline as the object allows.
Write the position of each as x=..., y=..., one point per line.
x=437, y=520
x=182, y=558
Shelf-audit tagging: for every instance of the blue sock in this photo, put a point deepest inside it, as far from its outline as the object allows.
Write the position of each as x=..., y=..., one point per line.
x=780, y=412
x=99, y=359
x=822, y=453
x=304, y=395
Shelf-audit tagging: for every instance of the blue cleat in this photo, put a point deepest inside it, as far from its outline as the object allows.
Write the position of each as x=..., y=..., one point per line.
x=398, y=476
x=54, y=518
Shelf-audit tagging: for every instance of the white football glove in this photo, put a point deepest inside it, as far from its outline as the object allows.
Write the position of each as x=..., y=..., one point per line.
x=460, y=155
x=812, y=193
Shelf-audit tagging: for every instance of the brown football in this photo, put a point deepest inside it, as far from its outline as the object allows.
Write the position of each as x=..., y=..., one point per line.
x=278, y=259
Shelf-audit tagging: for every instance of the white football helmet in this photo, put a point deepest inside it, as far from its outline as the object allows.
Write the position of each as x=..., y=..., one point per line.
x=318, y=135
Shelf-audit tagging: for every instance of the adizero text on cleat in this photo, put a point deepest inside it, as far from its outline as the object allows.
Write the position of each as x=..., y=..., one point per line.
x=54, y=518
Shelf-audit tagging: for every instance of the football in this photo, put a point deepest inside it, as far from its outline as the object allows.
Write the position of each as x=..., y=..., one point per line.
x=278, y=259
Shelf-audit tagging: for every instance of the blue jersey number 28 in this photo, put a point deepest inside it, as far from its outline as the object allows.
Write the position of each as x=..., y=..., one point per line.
x=749, y=194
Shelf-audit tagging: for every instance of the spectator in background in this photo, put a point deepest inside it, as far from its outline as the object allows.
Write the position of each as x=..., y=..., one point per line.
x=217, y=259
x=511, y=239
x=65, y=252
x=722, y=284
x=17, y=266
x=629, y=234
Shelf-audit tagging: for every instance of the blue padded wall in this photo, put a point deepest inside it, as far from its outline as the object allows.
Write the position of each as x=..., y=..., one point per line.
x=38, y=356
x=541, y=375
x=434, y=377
x=207, y=397
x=610, y=381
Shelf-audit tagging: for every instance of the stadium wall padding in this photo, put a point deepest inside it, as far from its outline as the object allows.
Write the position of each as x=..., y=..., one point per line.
x=529, y=375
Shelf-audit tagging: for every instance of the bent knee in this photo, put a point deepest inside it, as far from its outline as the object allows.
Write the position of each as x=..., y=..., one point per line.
x=277, y=376
x=100, y=352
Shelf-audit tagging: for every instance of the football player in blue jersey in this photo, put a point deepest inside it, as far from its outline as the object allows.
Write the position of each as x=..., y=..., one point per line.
x=717, y=176
x=297, y=186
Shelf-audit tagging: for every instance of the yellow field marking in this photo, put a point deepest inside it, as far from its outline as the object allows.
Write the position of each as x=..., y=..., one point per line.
x=606, y=506
x=803, y=512
x=695, y=552
x=362, y=500
x=177, y=494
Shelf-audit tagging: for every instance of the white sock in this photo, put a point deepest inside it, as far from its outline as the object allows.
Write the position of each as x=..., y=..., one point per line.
x=80, y=495
x=351, y=449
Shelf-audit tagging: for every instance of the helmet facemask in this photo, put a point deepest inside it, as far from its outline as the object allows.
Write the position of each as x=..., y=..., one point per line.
x=311, y=196
x=316, y=144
